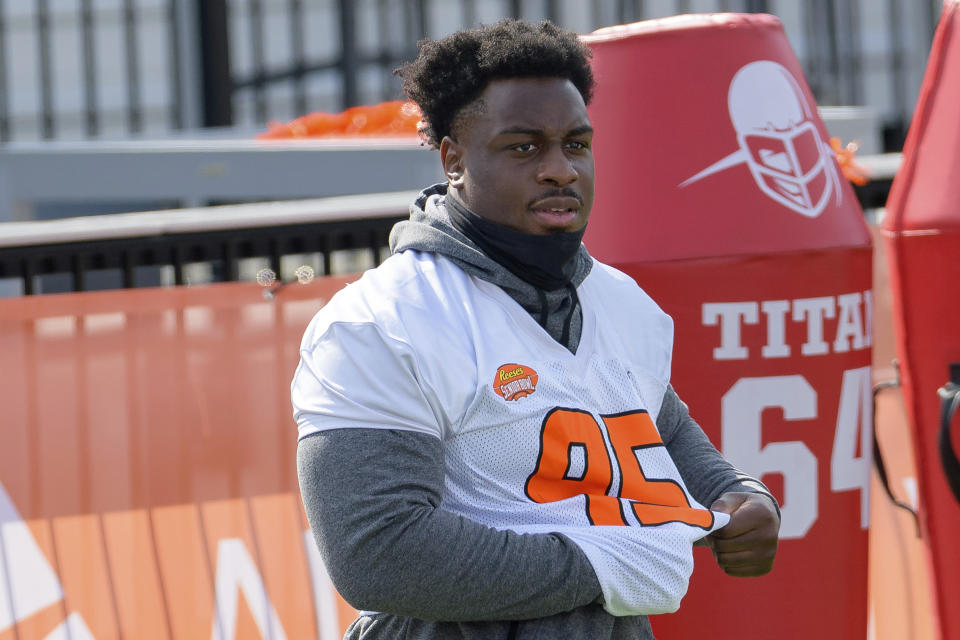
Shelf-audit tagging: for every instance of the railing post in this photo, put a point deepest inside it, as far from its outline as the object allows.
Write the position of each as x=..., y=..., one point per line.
x=131, y=57
x=217, y=82
x=45, y=70
x=186, y=77
x=348, y=52
x=4, y=84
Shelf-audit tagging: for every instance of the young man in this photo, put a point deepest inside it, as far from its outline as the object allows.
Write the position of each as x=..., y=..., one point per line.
x=489, y=445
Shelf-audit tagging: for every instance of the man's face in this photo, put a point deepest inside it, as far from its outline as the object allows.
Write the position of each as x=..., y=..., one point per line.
x=525, y=159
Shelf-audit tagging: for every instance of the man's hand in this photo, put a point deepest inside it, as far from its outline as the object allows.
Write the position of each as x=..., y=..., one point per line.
x=748, y=544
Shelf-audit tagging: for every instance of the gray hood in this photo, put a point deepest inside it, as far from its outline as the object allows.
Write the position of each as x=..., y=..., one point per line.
x=429, y=229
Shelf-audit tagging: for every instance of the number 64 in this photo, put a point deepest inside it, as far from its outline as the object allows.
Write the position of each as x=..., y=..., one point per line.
x=741, y=409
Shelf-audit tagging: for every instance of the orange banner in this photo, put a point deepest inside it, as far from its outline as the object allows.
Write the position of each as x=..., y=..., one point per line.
x=147, y=467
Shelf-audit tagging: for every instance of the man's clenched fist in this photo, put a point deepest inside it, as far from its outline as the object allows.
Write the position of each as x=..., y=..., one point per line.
x=747, y=545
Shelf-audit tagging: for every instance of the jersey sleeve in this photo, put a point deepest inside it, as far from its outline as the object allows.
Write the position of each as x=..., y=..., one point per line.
x=353, y=375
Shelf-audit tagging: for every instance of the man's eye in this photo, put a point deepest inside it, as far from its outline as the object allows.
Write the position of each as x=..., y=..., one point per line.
x=576, y=144
x=524, y=147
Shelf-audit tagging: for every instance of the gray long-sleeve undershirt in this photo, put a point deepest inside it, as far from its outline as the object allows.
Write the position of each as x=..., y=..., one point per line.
x=373, y=499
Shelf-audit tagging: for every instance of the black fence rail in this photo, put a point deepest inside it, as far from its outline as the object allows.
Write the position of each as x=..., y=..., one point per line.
x=85, y=69
x=130, y=250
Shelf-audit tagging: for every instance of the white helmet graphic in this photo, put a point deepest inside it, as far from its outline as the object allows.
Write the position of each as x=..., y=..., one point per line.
x=778, y=139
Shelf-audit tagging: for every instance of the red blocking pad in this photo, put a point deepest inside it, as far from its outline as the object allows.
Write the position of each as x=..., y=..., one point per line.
x=718, y=192
x=922, y=240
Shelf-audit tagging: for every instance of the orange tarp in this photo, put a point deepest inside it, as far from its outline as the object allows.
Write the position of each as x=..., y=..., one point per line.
x=394, y=118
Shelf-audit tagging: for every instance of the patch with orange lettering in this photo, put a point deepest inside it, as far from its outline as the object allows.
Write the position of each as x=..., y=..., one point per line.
x=515, y=381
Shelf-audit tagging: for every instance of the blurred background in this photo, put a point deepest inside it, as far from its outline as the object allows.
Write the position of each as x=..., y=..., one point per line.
x=111, y=106
x=100, y=69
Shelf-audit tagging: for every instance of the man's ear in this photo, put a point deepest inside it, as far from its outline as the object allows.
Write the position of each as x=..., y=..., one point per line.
x=451, y=155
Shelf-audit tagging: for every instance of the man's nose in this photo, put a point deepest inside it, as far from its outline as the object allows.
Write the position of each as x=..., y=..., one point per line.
x=556, y=167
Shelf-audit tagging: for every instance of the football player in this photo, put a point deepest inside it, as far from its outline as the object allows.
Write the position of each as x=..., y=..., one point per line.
x=489, y=445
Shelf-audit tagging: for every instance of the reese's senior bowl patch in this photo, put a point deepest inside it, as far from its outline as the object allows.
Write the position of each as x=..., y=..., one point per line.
x=514, y=381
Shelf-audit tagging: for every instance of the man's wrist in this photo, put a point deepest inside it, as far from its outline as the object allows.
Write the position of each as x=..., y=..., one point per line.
x=754, y=486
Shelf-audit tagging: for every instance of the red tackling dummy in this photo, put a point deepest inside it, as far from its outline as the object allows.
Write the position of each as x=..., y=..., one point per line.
x=719, y=192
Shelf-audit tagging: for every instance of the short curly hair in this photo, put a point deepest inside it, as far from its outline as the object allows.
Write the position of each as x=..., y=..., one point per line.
x=450, y=73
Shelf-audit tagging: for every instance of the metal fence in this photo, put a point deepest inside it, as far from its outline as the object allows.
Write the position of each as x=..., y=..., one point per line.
x=270, y=242
x=94, y=69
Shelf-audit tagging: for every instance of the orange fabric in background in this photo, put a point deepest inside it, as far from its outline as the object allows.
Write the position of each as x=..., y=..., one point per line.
x=387, y=118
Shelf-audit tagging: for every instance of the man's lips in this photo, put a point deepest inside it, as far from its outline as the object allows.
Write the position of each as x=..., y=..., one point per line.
x=556, y=205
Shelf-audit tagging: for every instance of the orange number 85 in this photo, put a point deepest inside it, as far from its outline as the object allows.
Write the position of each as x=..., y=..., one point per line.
x=653, y=501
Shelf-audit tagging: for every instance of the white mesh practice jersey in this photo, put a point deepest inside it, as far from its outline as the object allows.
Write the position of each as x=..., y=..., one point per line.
x=536, y=439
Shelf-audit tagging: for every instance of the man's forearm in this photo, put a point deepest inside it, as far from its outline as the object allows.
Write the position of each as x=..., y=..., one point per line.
x=703, y=469
x=372, y=497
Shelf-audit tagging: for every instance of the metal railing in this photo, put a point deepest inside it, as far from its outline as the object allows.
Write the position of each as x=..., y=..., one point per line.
x=45, y=180
x=218, y=244
x=84, y=69
x=332, y=235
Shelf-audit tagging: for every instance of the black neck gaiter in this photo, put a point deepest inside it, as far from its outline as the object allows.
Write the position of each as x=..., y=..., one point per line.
x=545, y=261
